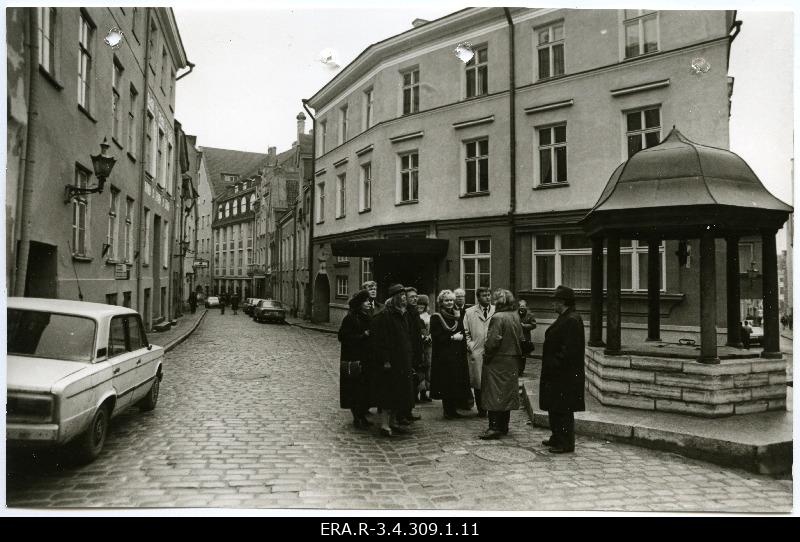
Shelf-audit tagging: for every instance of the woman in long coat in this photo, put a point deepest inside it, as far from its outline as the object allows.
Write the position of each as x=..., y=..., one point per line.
x=354, y=366
x=502, y=355
x=449, y=371
x=392, y=376
x=562, y=381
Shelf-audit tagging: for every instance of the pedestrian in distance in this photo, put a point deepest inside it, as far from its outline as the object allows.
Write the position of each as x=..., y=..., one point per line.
x=528, y=325
x=391, y=372
x=424, y=370
x=746, y=330
x=561, y=387
x=476, y=324
x=449, y=371
x=235, y=302
x=354, y=334
x=193, y=301
x=375, y=306
x=501, y=361
x=415, y=326
x=223, y=300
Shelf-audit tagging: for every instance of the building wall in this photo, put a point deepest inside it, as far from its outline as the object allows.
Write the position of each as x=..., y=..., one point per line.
x=204, y=233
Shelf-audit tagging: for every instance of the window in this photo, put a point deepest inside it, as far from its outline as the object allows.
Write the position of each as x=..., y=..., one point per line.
x=342, y=259
x=343, y=124
x=409, y=177
x=476, y=265
x=168, y=169
x=410, y=92
x=243, y=204
x=477, y=166
x=643, y=129
x=116, y=106
x=152, y=45
x=550, y=50
x=146, y=226
x=230, y=178
x=85, y=38
x=111, y=299
x=641, y=32
x=133, y=108
x=341, y=195
x=365, y=198
x=113, y=227
x=134, y=19
x=553, y=154
x=321, y=202
x=323, y=132
x=163, y=69
x=80, y=214
x=235, y=205
x=567, y=259
x=126, y=296
x=219, y=212
x=159, y=158
x=128, y=239
x=368, y=108
x=478, y=73
x=165, y=244
x=125, y=335
x=148, y=143
x=47, y=29
x=366, y=270
x=341, y=285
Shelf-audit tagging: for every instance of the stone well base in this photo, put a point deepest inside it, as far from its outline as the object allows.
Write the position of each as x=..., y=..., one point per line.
x=669, y=384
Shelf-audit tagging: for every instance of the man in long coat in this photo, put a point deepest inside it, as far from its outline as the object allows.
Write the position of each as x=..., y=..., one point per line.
x=476, y=323
x=415, y=328
x=392, y=356
x=561, y=388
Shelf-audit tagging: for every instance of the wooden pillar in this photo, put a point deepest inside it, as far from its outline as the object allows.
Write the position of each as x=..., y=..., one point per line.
x=708, y=299
x=596, y=315
x=614, y=315
x=734, y=292
x=771, y=323
x=653, y=290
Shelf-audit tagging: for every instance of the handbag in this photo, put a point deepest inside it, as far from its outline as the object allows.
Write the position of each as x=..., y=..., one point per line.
x=351, y=369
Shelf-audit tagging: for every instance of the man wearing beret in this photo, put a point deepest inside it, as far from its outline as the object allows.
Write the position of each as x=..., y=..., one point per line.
x=562, y=382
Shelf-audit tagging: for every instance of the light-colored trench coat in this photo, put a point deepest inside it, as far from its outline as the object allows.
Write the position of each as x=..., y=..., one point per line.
x=475, y=329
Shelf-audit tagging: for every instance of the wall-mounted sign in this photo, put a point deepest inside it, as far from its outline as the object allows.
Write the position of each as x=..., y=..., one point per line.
x=121, y=272
x=200, y=263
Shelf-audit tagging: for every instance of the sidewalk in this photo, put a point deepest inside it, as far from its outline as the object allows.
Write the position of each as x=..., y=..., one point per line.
x=305, y=324
x=178, y=333
x=759, y=443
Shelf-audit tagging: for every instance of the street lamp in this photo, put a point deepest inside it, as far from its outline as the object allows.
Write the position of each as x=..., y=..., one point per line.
x=102, y=164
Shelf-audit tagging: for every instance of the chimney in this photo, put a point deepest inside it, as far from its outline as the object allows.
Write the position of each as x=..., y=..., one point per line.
x=419, y=22
x=271, y=154
x=301, y=125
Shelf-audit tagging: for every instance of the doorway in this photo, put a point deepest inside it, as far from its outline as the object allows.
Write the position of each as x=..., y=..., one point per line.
x=42, y=277
x=322, y=296
x=146, y=314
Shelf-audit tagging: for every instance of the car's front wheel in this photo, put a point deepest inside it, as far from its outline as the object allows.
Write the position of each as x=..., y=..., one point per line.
x=90, y=444
x=149, y=401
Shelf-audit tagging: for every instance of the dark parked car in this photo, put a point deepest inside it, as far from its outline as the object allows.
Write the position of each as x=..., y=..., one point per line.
x=249, y=304
x=269, y=310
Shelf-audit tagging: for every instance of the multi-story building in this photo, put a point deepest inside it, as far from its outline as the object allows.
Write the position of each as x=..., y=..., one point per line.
x=205, y=254
x=234, y=176
x=78, y=78
x=187, y=220
x=443, y=170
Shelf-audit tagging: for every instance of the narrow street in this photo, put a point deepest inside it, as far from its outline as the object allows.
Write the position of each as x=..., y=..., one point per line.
x=248, y=418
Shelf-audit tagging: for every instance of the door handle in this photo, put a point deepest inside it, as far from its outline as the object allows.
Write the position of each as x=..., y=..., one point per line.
x=116, y=370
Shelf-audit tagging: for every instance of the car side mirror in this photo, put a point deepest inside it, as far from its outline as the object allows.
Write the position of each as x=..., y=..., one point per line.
x=149, y=346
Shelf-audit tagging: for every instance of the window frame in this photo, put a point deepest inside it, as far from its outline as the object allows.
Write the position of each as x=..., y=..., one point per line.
x=132, y=128
x=365, y=188
x=117, y=70
x=128, y=248
x=86, y=35
x=643, y=130
x=413, y=89
x=476, y=256
x=81, y=208
x=551, y=147
x=344, y=111
x=146, y=225
x=342, y=286
x=367, y=270
x=639, y=20
x=477, y=159
x=550, y=45
x=474, y=66
x=341, y=195
x=46, y=33
x=411, y=170
x=369, y=108
x=112, y=235
x=320, y=208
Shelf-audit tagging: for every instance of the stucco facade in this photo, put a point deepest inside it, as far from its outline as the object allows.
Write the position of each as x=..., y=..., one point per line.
x=585, y=107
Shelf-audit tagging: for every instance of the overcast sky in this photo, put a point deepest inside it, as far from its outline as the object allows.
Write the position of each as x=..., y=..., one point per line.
x=254, y=65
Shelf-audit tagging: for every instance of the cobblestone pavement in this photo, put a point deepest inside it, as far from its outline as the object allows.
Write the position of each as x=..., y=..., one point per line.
x=248, y=418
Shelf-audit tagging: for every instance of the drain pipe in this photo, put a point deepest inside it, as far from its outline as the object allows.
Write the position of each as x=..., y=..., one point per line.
x=138, y=255
x=311, y=216
x=31, y=147
x=512, y=155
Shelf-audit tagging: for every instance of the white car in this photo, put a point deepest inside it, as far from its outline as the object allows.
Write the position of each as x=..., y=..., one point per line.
x=72, y=366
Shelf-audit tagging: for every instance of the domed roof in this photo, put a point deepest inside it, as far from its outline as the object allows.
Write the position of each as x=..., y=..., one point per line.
x=682, y=183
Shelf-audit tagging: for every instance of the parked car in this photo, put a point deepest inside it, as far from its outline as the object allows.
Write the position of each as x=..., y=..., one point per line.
x=757, y=336
x=269, y=310
x=72, y=367
x=212, y=301
x=249, y=305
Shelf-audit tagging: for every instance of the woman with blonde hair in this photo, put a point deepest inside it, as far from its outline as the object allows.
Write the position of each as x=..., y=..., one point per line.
x=449, y=370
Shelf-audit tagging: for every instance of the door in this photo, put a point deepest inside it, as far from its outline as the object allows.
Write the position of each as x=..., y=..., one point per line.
x=147, y=362
x=41, y=279
x=123, y=362
x=146, y=310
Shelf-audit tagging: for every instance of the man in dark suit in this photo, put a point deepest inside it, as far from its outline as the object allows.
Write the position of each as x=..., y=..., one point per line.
x=375, y=306
x=562, y=382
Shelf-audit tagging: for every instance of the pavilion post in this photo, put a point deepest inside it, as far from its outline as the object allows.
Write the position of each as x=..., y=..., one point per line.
x=771, y=323
x=596, y=315
x=708, y=299
x=653, y=289
x=614, y=316
x=734, y=291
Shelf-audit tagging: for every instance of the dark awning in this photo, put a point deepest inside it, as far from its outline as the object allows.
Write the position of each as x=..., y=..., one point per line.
x=384, y=247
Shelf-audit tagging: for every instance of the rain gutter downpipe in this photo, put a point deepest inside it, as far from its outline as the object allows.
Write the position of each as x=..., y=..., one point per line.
x=138, y=256
x=512, y=154
x=311, y=212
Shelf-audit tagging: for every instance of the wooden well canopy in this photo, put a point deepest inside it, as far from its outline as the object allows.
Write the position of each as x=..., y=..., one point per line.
x=684, y=190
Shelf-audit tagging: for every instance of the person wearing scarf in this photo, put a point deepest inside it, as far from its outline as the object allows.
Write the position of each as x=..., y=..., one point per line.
x=449, y=370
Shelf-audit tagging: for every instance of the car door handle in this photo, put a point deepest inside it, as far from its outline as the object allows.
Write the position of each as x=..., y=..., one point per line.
x=116, y=370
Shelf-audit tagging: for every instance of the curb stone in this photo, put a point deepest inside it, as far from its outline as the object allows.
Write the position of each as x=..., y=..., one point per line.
x=178, y=340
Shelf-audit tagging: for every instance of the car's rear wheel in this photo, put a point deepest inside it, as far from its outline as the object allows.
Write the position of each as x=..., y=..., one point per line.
x=150, y=400
x=91, y=443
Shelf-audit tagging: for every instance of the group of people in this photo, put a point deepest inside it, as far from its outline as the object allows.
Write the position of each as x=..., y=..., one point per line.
x=229, y=299
x=397, y=353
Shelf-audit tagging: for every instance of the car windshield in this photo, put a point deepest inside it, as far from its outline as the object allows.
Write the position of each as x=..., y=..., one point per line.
x=41, y=334
x=270, y=304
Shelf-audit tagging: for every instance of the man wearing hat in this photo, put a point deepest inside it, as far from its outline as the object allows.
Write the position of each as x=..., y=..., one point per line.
x=562, y=382
x=392, y=361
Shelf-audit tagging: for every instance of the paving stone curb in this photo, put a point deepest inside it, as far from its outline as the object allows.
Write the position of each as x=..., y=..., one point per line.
x=178, y=340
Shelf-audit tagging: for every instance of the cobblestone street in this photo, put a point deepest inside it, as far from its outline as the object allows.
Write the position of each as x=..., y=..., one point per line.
x=248, y=418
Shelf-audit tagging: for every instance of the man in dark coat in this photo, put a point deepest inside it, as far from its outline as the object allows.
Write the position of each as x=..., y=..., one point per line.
x=193, y=301
x=415, y=328
x=562, y=382
x=375, y=306
x=235, y=302
x=392, y=375
x=355, y=355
